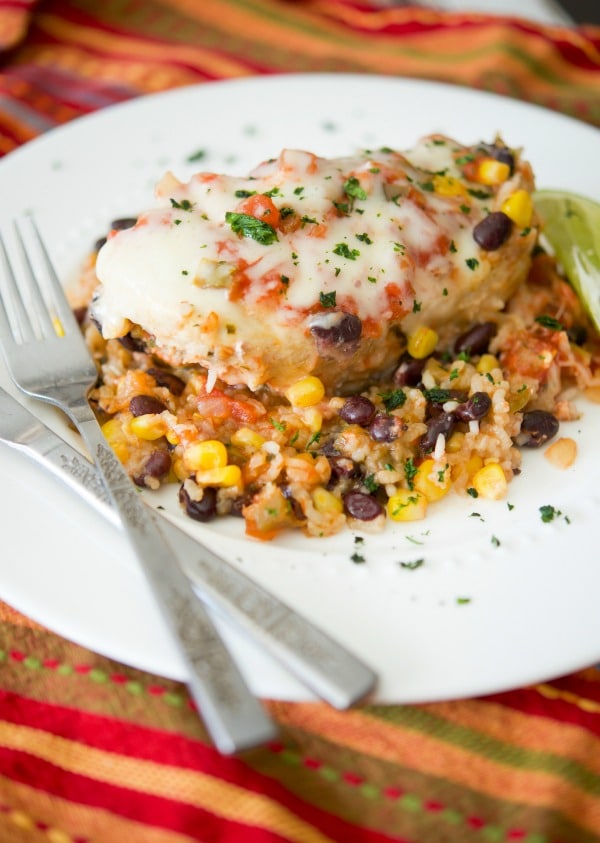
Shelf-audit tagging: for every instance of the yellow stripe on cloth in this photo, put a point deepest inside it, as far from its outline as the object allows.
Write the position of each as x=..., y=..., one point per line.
x=28, y=806
x=181, y=785
x=551, y=693
x=424, y=753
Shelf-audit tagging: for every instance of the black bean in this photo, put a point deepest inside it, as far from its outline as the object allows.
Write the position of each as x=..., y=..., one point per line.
x=361, y=506
x=358, y=410
x=342, y=467
x=492, y=231
x=131, y=343
x=444, y=424
x=477, y=406
x=409, y=371
x=202, y=510
x=337, y=330
x=537, y=427
x=163, y=378
x=577, y=334
x=141, y=405
x=477, y=339
x=122, y=223
x=157, y=466
x=383, y=428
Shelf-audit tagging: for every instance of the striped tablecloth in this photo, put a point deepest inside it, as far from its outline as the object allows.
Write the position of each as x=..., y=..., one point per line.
x=92, y=751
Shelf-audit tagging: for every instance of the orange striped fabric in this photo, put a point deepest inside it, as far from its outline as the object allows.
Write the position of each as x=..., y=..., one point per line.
x=92, y=751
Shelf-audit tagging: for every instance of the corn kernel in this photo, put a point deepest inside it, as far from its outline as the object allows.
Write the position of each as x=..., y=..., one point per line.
x=448, y=186
x=201, y=456
x=313, y=419
x=245, y=437
x=149, y=426
x=473, y=464
x=223, y=476
x=487, y=363
x=326, y=502
x=492, y=172
x=455, y=442
x=422, y=343
x=432, y=481
x=172, y=437
x=306, y=392
x=519, y=207
x=178, y=469
x=406, y=505
x=113, y=432
x=562, y=453
x=490, y=481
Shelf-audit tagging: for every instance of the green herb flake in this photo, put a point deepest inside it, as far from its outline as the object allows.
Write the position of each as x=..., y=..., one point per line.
x=473, y=492
x=463, y=601
x=549, y=322
x=248, y=226
x=371, y=279
x=393, y=399
x=452, y=247
x=184, y=205
x=343, y=250
x=364, y=238
x=298, y=191
x=549, y=513
x=495, y=541
x=472, y=263
x=416, y=306
x=370, y=484
x=410, y=469
x=280, y=426
x=327, y=299
x=198, y=155
x=353, y=189
x=437, y=395
x=244, y=194
x=313, y=439
x=413, y=565
x=357, y=558
x=307, y=220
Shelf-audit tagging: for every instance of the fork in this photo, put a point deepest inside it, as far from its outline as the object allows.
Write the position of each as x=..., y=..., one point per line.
x=48, y=360
x=319, y=661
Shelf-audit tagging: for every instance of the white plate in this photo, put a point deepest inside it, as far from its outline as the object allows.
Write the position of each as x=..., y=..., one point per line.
x=475, y=617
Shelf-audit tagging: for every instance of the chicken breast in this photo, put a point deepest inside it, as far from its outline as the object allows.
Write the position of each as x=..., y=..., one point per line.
x=319, y=266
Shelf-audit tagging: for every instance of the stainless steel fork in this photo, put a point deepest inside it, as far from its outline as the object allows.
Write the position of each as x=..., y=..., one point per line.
x=320, y=662
x=48, y=359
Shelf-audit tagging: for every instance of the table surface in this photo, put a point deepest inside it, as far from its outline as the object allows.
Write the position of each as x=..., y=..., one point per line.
x=92, y=750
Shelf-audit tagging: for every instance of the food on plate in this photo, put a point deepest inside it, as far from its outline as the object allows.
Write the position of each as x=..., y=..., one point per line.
x=331, y=342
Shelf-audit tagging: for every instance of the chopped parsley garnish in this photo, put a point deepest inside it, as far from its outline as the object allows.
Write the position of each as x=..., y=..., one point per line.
x=549, y=322
x=416, y=306
x=357, y=558
x=495, y=541
x=364, y=238
x=198, y=155
x=306, y=220
x=479, y=194
x=342, y=207
x=473, y=492
x=314, y=438
x=244, y=194
x=353, y=189
x=410, y=469
x=344, y=251
x=472, y=263
x=466, y=209
x=371, y=279
x=412, y=566
x=327, y=299
x=549, y=513
x=437, y=395
x=249, y=226
x=394, y=399
x=286, y=212
x=452, y=246
x=184, y=205
x=426, y=185
x=464, y=159
x=284, y=280
x=298, y=191
x=280, y=426
x=273, y=192
x=370, y=484
x=462, y=601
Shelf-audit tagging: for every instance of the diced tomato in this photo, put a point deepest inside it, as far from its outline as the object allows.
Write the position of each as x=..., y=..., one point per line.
x=262, y=207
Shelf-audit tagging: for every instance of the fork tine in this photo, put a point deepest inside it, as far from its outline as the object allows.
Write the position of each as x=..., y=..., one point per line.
x=63, y=310
x=38, y=302
x=13, y=303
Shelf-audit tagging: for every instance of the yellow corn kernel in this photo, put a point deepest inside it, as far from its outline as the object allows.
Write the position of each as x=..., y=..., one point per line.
x=492, y=172
x=487, y=363
x=178, y=469
x=306, y=392
x=113, y=432
x=223, y=476
x=149, y=426
x=448, y=186
x=473, y=464
x=245, y=437
x=406, y=505
x=519, y=207
x=455, y=442
x=172, y=437
x=422, y=343
x=326, y=502
x=490, y=481
x=313, y=419
x=431, y=480
x=205, y=455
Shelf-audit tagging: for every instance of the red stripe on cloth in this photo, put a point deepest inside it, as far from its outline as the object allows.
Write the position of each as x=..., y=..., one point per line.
x=154, y=811
x=167, y=747
x=531, y=701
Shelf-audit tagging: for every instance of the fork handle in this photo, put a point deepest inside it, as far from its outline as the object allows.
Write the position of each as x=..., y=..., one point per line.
x=233, y=716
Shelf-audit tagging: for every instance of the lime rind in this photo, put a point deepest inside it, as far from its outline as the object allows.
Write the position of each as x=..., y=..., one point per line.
x=571, y=226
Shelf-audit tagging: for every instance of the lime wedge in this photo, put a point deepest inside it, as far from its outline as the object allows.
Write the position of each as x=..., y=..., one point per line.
x=571, y=226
